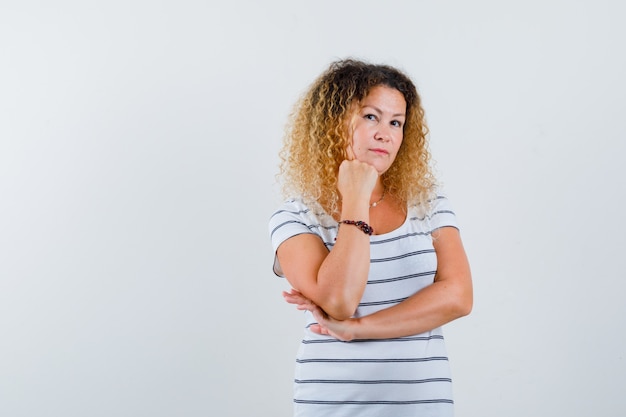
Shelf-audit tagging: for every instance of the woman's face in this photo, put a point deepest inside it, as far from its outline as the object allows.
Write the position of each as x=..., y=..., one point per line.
x=378, y=127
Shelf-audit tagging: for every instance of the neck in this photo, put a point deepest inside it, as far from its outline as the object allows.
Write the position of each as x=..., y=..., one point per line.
x=377, y=196
x=378, y=191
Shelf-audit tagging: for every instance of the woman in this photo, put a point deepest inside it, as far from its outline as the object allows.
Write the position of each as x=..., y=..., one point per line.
x=372, y=253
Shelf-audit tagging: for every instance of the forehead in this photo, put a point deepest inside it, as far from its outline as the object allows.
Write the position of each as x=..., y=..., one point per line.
x=385, y=98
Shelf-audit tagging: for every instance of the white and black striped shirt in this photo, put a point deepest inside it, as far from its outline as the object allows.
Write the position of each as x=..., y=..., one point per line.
x=406, y=376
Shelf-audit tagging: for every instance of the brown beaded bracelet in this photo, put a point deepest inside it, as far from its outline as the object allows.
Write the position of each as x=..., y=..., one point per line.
x=366, y=228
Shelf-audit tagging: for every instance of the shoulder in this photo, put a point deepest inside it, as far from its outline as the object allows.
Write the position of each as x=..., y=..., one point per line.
x=291, y=207
x=436, y=212
x=440, y=205
x=295, y=217
x=292, y=210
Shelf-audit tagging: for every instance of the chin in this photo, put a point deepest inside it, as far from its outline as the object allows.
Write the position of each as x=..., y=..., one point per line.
x=381, y=171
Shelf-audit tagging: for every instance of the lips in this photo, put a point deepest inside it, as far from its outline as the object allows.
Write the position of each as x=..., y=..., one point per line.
x=379, y=151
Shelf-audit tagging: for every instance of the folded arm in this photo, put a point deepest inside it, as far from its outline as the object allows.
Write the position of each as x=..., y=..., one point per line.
x=335, y=280
x=448, y=298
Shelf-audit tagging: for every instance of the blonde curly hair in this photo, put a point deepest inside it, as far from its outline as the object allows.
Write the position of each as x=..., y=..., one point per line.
x=317, y=136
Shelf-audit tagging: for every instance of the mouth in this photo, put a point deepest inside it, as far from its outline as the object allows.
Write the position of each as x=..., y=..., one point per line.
x=379, y=151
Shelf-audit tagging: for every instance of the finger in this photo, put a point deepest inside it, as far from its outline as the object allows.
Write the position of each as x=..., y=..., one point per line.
x=293, y=300
x=318, y=316
x=293, y=294
x=316, y=328
x=296, y=301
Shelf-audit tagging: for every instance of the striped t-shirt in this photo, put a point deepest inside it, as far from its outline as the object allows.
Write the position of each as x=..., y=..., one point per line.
x=405, y=376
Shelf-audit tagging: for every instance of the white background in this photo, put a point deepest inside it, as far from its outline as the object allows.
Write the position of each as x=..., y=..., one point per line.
x=138, y=148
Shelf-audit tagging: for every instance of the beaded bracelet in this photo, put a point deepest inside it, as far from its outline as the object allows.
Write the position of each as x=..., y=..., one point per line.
x=366, y=228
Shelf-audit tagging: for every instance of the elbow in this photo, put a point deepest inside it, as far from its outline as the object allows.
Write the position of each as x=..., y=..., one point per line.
x=463, y=304
x=339, y=308
x=339, y=315
x=463, y=297
x=464, y=308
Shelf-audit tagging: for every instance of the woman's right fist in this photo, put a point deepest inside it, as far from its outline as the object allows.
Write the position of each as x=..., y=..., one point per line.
x=356, y=179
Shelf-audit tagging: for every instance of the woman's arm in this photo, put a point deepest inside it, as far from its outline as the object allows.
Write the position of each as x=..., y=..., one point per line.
x=448, y=298
x=335, y=280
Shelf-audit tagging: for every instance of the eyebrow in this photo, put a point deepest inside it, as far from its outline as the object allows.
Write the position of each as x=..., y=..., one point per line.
x=380, y=111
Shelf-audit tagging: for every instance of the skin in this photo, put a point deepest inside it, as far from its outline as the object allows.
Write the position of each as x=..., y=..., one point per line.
x=377, y=128
x=330, y=284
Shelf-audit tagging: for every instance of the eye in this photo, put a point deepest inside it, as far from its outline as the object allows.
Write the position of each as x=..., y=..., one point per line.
x=370, y=116
x=396, y=123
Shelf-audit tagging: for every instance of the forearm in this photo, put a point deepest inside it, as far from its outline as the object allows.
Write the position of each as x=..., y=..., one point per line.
x=342, y=277
x=335, y=280
x=428, y=309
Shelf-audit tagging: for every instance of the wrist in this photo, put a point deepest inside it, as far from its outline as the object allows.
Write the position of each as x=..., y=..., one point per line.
x=355, y=207
x=364, y=227
x=354, y=329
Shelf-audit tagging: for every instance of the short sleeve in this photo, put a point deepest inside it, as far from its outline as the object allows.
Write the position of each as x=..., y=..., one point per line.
x=442, y=214
x=288, y=221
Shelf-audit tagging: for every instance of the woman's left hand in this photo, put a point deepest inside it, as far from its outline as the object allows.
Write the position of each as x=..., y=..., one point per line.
x=326, y=325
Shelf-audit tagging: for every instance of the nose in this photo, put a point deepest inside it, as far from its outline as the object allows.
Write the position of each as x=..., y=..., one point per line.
x=382, y=134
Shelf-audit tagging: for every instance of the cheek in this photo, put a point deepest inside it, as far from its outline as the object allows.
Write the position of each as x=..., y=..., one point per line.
x=400, y=140
x=357, y=138
x=397, y=147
